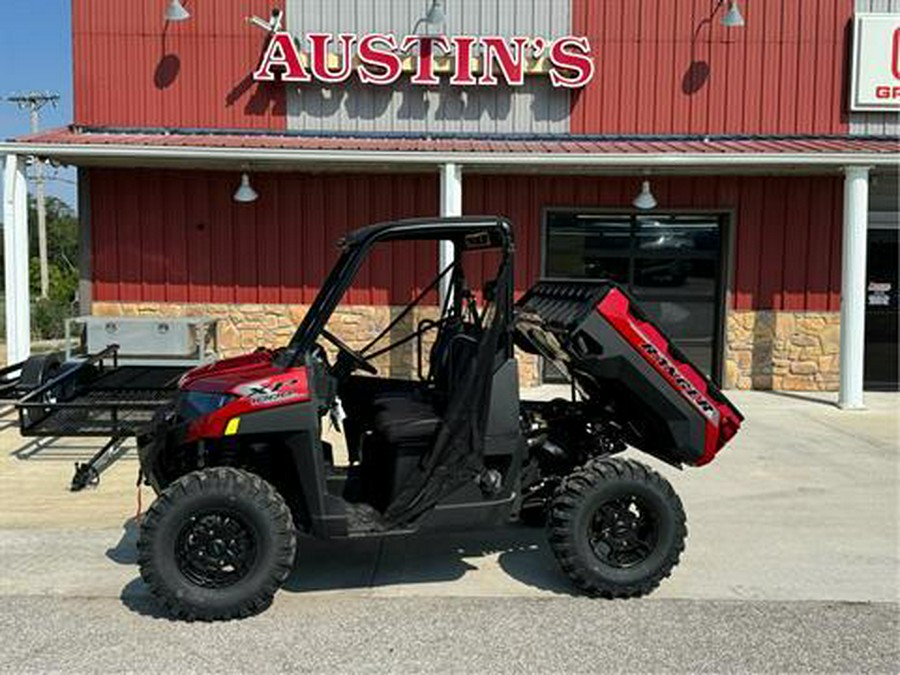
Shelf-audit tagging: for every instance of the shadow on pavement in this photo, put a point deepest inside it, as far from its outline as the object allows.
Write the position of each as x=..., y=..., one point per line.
x=125, y=551
x=136, y=597
x=521, y=553
x=820, y=399
x=60, y=449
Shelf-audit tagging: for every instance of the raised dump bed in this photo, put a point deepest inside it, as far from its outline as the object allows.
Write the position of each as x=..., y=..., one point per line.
x=618, y=358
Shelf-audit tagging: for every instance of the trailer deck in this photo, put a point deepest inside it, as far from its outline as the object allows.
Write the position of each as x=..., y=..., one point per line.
x=114, y=403
x=125, y=370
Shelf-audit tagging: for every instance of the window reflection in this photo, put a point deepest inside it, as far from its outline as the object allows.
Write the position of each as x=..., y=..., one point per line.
x=670, y=262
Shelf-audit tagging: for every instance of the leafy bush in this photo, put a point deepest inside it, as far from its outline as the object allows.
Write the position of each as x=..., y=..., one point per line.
x=48, y=318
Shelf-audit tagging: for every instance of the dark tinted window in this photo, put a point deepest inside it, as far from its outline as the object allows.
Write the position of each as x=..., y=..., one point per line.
x=671, y=263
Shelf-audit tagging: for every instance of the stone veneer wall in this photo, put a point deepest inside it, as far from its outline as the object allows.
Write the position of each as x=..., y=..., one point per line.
x=795, y=351
x=764, y=349
x=243, y=328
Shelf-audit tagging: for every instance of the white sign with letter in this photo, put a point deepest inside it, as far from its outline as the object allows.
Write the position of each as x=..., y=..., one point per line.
x=876, y=63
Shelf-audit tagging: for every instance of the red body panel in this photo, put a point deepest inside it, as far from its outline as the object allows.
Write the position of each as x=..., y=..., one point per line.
x=722, y=419
x=221, y=377
x=255, y=381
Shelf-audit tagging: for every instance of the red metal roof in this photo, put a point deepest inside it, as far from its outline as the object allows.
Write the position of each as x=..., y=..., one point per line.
x=593, y=145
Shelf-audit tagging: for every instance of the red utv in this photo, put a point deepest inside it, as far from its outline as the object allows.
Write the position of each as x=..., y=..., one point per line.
x=241, y=468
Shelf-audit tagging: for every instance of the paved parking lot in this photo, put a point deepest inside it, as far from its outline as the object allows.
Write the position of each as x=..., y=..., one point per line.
x=791, y=564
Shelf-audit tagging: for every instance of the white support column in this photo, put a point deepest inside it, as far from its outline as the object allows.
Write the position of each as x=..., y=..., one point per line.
x=15, y=253
x=451, y=207
x=853, y=287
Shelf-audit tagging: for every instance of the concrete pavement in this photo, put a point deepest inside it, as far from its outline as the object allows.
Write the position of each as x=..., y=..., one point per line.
x=460, y=635
x=803, y=505
x=797, y=518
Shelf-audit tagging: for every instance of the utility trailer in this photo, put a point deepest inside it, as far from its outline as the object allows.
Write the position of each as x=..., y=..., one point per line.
x=115, y=375
x=11, y=387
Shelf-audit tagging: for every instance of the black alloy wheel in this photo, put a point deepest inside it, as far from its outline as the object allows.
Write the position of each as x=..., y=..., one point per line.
x=623, y=532
x=616, y=527
x=216, y=548
x=217, y=544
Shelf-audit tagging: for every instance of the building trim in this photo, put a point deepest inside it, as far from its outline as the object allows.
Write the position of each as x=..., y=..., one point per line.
x=230, y=157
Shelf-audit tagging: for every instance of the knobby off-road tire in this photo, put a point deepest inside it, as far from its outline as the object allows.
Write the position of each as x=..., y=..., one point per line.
x=616, y=527
x=216, y=545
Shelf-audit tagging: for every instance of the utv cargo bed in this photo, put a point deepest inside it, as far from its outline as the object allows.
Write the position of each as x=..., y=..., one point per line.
x=619, y=359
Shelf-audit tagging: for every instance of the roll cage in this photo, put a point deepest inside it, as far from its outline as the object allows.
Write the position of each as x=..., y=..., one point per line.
x=470, y=233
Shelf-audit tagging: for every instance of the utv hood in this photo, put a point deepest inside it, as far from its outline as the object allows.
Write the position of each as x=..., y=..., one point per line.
x=596, y=333
x=226, y=375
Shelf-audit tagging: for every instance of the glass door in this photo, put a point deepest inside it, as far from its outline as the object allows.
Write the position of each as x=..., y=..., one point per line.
x=882, y=366
x=671, y=263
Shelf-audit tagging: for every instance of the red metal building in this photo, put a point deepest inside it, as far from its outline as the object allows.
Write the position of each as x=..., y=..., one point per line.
x=763, y=144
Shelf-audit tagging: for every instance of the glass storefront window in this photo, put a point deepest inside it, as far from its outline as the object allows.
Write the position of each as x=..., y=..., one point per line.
x=588, y=247
x=670, y=262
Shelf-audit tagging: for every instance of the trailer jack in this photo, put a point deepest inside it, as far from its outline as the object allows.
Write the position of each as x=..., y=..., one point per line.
x=87, y=474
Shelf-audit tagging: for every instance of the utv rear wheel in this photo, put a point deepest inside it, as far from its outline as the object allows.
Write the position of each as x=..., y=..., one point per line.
x=216, y=544
x=617, y=528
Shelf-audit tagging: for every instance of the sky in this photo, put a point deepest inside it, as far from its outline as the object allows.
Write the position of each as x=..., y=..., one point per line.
x=36, y=53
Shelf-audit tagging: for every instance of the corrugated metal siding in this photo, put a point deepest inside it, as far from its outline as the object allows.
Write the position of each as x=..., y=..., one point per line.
x=537, y=107
x=786, y=251
x=884, y=6
x=666, y=66
x=177, y=236
x=133, y=70
x=876, y=123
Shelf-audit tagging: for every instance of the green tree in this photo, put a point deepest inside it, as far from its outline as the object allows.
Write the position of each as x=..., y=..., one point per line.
x=62, y=233
x=48, y=315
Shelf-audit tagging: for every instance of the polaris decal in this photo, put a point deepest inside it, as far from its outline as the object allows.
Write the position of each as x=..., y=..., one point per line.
x=662, y=362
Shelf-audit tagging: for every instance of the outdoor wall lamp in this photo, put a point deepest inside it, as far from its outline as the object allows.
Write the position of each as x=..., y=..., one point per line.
x=435, y=15
x=645, y=199
x=176, y=11
x=245, y=194
x=733, y=17
x=273, y=25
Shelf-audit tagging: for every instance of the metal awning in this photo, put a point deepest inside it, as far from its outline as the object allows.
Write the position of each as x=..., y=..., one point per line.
x=225, y=149
x=854, y=156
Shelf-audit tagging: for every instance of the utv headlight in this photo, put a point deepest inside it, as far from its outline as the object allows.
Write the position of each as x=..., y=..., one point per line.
x=194, y=404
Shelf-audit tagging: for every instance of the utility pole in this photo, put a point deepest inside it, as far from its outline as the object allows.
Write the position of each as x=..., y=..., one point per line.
x=33, y=102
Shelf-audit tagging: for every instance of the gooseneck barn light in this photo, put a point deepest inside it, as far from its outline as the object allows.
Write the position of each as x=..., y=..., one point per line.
x=645, y=199
x=436, y=14
x=176, y=11
x=733, y=17
x=245, y=194
x=273, y=25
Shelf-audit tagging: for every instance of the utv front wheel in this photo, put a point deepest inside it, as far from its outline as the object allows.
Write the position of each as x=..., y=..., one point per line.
x=617, y=528
x=216, y=545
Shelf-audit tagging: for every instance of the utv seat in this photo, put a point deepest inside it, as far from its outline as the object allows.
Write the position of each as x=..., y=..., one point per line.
x=406, y=420
x=405, y=428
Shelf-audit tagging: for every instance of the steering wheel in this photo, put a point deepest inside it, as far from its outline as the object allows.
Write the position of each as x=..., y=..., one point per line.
x=357, y=359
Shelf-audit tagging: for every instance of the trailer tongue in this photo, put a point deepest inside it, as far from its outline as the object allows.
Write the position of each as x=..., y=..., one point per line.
x=619, y=359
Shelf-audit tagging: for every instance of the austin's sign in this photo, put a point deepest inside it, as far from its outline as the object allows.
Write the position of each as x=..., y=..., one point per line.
x=381, y=59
